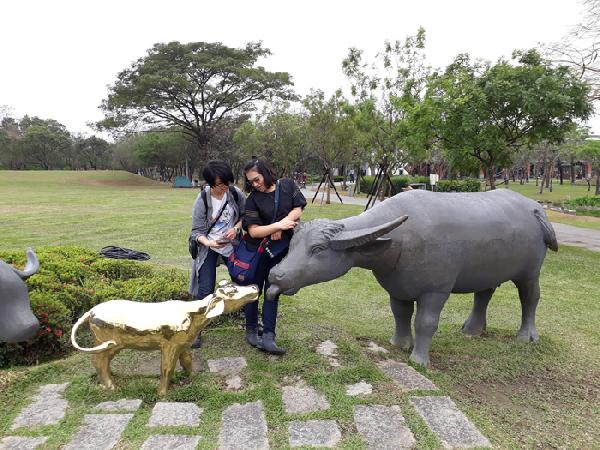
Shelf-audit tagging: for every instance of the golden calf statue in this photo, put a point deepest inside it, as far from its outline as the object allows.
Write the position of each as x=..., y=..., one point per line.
x=169, y=326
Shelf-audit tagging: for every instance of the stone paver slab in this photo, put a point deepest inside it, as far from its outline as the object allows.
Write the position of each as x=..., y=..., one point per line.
x=233, y=383
x=171, y=442
x=120, y=405
x=327, y=348
x=175, y=414
x=227, y=366
x=448, y=423
x=376, y=348
x=314, y=433
x=299, y=399
x=383, y=427
x=361, y=388
x=48, y=407
x=405, y=376
x=21, y=443
x=244, y=427
x=99, y=432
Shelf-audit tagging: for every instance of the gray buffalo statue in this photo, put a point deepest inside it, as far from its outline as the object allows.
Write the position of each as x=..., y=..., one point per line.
x=17, y=322
x=447, y=243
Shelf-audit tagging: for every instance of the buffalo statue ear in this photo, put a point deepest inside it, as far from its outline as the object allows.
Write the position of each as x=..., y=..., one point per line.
x=356, y=238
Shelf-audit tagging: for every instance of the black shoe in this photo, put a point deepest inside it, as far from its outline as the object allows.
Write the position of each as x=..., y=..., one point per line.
x=197, y=342
x=268, y=344
x=252, y=337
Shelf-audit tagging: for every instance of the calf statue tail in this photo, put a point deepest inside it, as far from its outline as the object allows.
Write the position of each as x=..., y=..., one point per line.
x=99, y=348
x=547, y=230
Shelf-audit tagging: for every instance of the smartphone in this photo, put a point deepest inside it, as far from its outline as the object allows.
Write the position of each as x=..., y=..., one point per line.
x=223, y=241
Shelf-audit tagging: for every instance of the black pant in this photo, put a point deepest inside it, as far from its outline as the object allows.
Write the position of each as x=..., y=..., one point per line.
x=269, y=309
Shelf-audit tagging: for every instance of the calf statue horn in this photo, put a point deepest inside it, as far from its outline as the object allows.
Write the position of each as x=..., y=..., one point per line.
x=32, y=266
x=356, y=238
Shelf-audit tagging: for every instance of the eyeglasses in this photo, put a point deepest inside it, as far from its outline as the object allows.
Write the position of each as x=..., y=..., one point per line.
x=218, y=185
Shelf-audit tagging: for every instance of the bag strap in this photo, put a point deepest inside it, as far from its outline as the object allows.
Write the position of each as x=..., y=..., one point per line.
x=205, y=200
x=276, y=205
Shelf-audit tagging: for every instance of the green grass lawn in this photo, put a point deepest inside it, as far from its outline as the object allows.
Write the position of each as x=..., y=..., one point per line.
x=560, y=193
x=542, y=395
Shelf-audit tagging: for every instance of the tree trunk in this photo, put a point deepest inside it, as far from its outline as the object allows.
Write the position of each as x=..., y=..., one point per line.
x=560, y=171
x=597, y=182
x=572, y=169
x=491, y=178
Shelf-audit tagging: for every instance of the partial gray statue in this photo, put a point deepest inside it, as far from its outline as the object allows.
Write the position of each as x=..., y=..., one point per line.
x=447, y=243
x=17, y=322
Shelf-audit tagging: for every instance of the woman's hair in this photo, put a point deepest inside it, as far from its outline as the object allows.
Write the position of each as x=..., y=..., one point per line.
x=263, y=168
x=216, y=168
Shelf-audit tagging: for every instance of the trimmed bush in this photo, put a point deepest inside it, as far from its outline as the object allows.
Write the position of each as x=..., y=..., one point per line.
x=72, y=280
x=398, y=182
x=465, y=185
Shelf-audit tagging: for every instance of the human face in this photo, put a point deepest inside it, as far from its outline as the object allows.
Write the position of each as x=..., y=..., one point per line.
x=256, y=180
x=220, y=188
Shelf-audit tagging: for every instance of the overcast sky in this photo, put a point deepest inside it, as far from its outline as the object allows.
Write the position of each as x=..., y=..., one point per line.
x=58, y=56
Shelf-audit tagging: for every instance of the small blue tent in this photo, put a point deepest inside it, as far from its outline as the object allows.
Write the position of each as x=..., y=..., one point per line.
x=182, y=182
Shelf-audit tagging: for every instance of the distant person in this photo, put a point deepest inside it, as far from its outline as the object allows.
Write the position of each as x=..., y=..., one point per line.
x=216, y=224
x=261, y=182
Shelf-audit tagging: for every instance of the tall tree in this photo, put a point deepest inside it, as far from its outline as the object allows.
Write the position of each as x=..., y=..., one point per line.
x=44, y=142
x=330, y=131
x=384, y=93
x=485, y=114
x=192, y=87
x=580, y=48
x=93, y=152
x=590, y=151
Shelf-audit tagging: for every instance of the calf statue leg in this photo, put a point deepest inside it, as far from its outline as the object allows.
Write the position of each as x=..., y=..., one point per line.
x=403, y=312
x=185, y=359
x=476, y=322
x=529, y=294
x=101, y=361
x=168, y=360
x=427, y=318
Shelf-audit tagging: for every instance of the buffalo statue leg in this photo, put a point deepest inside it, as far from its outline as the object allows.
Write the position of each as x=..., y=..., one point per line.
x=529, y=294
x=429, y=307
x=403, y=312
x=477, y=322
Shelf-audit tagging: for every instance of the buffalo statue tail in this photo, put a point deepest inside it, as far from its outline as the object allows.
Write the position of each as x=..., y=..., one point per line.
x=547, y=230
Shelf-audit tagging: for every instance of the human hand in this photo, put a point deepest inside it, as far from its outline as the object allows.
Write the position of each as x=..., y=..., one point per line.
x=216, y=244
x=276, y=236
x=230, y=234
x=286, y=224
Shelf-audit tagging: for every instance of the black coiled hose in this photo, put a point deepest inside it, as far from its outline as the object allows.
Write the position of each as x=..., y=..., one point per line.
x=123, y=253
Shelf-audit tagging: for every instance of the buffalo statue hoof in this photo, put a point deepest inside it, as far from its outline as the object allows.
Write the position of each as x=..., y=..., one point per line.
x=404, y=342
x=417, y=358
x=528, y=335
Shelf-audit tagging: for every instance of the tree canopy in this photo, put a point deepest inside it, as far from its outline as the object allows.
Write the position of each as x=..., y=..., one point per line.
x=482, y=115
x=192, y=87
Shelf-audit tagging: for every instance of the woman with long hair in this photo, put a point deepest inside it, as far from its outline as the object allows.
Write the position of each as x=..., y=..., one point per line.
x=262, y=183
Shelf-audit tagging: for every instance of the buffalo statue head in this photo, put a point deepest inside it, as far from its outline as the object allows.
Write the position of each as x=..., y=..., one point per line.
x=17, y=322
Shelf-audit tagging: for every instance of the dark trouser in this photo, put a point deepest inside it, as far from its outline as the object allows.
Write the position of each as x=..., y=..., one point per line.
x=207, y=275
x=269, y=309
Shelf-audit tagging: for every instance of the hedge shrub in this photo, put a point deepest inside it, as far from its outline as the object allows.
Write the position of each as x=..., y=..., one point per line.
x=72, y=280
x=398, y=182
x=465, y=185
x=585, y=206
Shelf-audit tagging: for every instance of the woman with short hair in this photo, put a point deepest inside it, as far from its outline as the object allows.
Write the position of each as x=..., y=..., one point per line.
x=216, y=224
x=262, y=182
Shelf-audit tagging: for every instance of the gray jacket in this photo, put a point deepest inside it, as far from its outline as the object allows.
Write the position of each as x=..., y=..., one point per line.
x=201, y=223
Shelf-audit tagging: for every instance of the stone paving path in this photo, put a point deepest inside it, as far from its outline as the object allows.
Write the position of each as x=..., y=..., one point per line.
x=244, y=426
x=48, y=408
x=99, y=431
